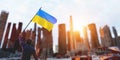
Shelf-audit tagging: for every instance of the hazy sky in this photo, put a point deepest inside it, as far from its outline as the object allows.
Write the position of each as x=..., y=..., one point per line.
x=101, y=12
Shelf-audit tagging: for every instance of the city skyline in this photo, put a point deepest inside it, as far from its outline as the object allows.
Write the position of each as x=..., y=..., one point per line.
x=83, y=12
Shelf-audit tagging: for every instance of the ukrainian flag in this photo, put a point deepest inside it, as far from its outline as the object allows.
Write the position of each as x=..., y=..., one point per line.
x=44, y=19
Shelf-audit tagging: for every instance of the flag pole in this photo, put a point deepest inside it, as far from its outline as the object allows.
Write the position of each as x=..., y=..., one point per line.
x=27, y=25
x=30, y=21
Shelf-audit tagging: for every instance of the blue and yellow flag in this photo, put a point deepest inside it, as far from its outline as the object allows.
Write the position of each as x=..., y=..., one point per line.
x=44, y=19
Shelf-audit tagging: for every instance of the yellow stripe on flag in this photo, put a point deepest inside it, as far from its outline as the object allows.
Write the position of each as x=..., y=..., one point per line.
x=43, y=22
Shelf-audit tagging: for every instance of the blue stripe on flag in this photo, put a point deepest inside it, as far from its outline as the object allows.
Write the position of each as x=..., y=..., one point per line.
x=46, y=16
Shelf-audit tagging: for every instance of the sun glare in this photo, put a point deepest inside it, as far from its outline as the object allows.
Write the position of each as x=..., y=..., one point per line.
x=77, y=27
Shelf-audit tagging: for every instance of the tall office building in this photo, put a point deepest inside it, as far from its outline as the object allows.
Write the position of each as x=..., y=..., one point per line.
x=69, y=41
x=13, y=36
x=77, y=36
x=5, y=41
x=85, y=38
x=72, y=46
x=62, y=46
x=47, y=43
x=106, y=38
x=102, y=34
x=38, y=45
x=116, y=40
x=94, y=36
x=3, y=20
x=78, y=41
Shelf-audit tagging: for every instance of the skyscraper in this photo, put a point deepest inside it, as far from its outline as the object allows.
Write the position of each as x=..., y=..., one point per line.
x=38, y=45
x=47, y=43
x=72, y=46
x=69, y=41
x=102, y=34
x=106, y=38
x=6, y=36
x=78, y=41
x=13, y=36
x=3, y=20
x=62, y=46
x=94, y=36
x=85, y=38
x=116, y=40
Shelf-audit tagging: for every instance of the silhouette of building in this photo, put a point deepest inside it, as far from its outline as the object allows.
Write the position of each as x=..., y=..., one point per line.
x=34, y=34
x=106, y=38
x=47, y=43
x=78, y=40
x=14, y=34
x=102, y=37
x=115, y=39
x=118, y=38
x=85, y=38
x=5, y=41
x=72, y=46
x=62, y=46
x=3, y=20
x=69, y=42
x=38, y=45
x=94, y=36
